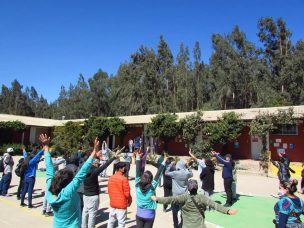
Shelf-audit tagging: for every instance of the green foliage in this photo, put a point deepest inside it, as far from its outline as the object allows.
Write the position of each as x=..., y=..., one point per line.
x=191, y=126
x=117, y=126
x=284, y=117
x=68, y=138
x=202, y=149
x=226, y=129
x=99, y=129
x=12, y=125
x=164, y=126
x=15, y=146
x=241, y=74
x=264, y=124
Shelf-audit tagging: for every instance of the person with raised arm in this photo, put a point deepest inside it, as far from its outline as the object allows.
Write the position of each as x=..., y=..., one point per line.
x=29, y=166
x=226, y=175
x=201, y=164
x=91, y=191
x=193, y=206
x=145, y=186
x=180, y=177
x=62, y=188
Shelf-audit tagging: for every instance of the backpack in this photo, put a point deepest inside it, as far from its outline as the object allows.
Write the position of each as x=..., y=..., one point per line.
x=18, y=170
x=1, y=165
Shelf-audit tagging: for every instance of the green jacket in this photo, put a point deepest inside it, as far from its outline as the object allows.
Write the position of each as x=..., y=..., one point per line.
x=191, y=215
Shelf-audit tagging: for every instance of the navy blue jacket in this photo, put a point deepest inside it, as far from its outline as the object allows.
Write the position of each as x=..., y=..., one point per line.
x=227, y=170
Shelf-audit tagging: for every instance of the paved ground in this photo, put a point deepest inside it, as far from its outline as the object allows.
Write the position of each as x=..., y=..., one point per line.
x=255, y=204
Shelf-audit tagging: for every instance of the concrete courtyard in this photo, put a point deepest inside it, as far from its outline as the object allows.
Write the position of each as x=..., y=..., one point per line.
x=254, y=193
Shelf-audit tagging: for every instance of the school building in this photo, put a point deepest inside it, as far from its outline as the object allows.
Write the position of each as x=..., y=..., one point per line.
x=289, y=139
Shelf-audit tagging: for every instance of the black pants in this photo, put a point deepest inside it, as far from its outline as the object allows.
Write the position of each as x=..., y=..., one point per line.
x=20, y=187
x=81, y=201
x=167, y=192
x=127, y=169
x=144, y=223
x=175, y=209
x=228, y=190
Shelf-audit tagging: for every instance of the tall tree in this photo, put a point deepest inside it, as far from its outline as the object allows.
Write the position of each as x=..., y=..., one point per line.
x=275, y=37
x=165, y=75
x=99, y=93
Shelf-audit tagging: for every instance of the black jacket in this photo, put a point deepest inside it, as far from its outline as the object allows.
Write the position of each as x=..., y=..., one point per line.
x=207, y=177
x=91, y=186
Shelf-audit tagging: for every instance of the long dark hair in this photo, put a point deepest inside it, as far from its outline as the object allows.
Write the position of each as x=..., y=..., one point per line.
x=61, y=179
x=291, y=185
x=145, y=180
x=25, y=163
x=210, y=165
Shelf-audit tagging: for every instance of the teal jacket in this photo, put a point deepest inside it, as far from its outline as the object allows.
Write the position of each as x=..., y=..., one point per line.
x=66, y=205
x=143, y=196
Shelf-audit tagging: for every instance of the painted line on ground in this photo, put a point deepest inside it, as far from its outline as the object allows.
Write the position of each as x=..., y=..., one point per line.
x=216, y=226
x=27, y=210
x=6, y=223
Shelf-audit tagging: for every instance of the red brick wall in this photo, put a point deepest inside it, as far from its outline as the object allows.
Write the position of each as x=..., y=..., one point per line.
x=176, y=146
x=132, y=133
x=244, y=149
x=296, y=154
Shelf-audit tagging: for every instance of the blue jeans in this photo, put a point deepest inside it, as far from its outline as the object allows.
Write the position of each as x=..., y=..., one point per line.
x=5, y=183
x=28, y=187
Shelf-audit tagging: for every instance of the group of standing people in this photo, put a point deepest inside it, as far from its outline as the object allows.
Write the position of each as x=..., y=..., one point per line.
x=73, y=207
x=72, y=193
x=63, y=197
x=62, y=191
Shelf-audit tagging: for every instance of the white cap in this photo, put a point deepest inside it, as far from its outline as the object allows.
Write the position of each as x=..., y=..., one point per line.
x=9, y=150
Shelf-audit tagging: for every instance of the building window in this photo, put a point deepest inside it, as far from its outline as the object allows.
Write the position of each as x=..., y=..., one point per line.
x=286, y=129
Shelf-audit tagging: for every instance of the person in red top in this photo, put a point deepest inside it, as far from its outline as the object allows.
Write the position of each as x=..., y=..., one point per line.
x=120, y=197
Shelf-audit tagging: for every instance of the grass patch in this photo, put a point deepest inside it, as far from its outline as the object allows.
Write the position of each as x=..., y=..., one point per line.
x=253, y=212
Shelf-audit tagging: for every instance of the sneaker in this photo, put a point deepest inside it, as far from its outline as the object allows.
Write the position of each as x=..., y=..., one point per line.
x=30, y=206
x=22, y=204
x=47, y=214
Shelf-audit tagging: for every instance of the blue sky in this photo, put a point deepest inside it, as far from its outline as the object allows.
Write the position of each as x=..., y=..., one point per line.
x=49, y=43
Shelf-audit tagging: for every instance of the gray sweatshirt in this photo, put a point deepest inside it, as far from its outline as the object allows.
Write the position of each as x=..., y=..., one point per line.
x=8, y=163
x=179, y=177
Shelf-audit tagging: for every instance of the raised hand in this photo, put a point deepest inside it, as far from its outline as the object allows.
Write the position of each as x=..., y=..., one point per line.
x=119, y=152
x=214, y=153
x=95, y=148
x=44, y=139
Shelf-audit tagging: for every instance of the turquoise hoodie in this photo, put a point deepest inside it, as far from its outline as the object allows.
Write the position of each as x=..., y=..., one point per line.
x=66, y=205
x=143, y=198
